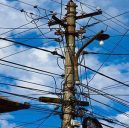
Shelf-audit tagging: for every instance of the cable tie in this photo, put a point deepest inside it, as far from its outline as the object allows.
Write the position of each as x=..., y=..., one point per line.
x=35, y=6
x=58, y=39
x=54, y=53
x=85, y=52
x=31, y=13
x=62, y=57
x=62, y=75
x=22, y=10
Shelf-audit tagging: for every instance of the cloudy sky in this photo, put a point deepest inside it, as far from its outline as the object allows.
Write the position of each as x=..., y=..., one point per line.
x=26, y=21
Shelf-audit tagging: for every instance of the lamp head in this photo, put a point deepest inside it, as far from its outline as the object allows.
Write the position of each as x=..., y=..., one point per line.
x=102, y=36
x=101, y=42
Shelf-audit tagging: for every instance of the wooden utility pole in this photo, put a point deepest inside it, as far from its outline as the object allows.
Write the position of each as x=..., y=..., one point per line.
x=69, y=88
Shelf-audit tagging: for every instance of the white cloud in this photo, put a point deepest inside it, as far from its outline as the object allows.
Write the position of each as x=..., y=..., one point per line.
x=119, y=119
x=123, y=118
x=4, y=123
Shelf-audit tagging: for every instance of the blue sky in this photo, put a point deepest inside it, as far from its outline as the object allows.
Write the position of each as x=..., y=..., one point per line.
x=114, y=66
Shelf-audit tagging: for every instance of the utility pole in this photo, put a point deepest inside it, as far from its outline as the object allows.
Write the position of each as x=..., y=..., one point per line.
x=69, y=88
x=71, y=62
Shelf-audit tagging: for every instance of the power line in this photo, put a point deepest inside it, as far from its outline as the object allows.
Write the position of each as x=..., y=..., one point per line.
x=29, y=82
x=112, y=94
x=105, y=75
x=56, y=39
x=121, y=112
x=16, y=52
x=27, y=45
x=41, y=119
x=40, y=70
x=23, y=24
x=20, y=10
x=25, y=31
x=38, y=7
x=112, y=86
x=15, y=29
x=111, y=17
x=32, y=5
x=108, y=96
x=28, y=28
x=19, y=95
x=119, y=35
x=28, y=88
x=33, y=72
x=100, y=53
x=20, y=27
x=109, y=120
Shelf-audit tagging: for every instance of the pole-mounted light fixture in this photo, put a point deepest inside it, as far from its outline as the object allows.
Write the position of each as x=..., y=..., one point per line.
x=101, y=37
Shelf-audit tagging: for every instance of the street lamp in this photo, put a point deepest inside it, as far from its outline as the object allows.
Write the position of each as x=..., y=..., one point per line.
x=100, y=37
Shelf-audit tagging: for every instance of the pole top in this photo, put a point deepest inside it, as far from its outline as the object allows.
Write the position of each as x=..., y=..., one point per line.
x=71, y=3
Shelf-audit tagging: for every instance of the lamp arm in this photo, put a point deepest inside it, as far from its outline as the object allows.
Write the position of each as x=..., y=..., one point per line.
x=78, y=54
x=87, y=43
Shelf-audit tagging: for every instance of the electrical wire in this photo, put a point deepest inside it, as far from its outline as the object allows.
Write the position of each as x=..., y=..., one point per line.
x=117, y=110
x=27, y=45
x=27, y=30
x=109, y=96
x=40, y=70
x=19, y=95
x=29, y=82
x=18, y=27
x=22, y=50
x=105, y=76
x=111, y=17
x=37, y=6
x=27, y=88
x=112, y=86
x=100, y=53
x=20, y=10
x=109, y=120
